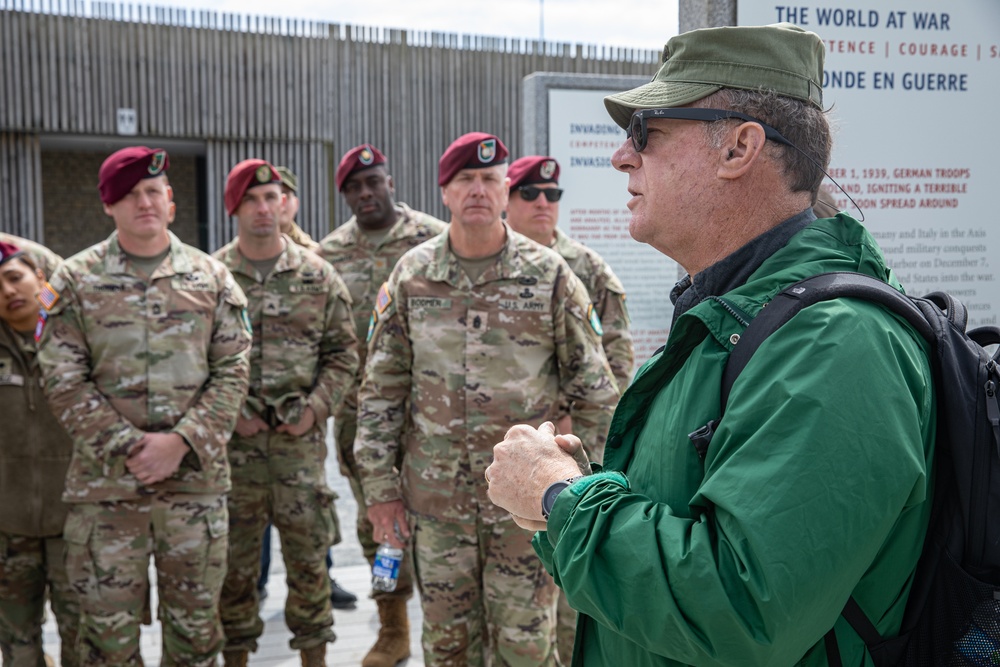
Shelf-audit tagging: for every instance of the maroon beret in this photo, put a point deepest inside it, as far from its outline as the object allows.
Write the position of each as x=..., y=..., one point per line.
x=124, y=168
x=474, y=150
x=356, y=159
x=8, y=251
x=246, y=175
x=533, y=169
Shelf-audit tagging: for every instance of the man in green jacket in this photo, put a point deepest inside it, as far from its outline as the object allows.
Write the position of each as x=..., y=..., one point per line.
x=815, y=486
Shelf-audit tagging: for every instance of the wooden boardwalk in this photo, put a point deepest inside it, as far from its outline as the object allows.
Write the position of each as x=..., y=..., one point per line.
x=356, y=629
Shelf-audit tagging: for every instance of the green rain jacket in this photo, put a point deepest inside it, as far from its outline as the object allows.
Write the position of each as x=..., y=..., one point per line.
x=815, y=487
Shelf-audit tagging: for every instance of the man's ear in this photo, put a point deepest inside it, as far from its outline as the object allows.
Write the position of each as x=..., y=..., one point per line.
x=740, y=150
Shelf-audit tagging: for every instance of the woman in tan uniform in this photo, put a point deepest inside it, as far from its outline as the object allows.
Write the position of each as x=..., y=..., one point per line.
x=34, y=455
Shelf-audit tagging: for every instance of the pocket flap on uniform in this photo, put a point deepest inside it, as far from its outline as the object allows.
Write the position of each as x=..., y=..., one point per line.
x=78, y=528
x=218, y=524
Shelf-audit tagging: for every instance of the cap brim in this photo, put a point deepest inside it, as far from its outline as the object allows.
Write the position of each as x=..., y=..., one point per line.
x=655, y=95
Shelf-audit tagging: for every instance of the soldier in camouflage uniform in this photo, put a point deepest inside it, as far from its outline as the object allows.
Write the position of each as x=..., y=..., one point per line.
x=475, y=330
x=340, y=598
x=34, y=456
x=144, y=354
x=302, y=364
x=533, y=181
x=533, y=210
x=44, y=259
x=364, y=250
x=290, y=187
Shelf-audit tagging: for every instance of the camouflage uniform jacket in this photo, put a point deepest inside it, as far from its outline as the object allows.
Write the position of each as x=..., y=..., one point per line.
x=43, y=258
x=608, y=296
x=365, y=267
x=34, y=449
x=301, y=237
x=459, y=363
x=304, y=348
x=122, y=355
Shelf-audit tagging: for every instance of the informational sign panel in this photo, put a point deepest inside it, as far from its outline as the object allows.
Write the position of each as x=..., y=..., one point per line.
x=582, y=137
x=912, y=86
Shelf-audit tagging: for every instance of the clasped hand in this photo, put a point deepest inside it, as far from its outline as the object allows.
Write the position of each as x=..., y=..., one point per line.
x=525, y=463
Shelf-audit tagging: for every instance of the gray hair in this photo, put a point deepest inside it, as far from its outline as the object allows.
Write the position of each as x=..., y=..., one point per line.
x=801, y=123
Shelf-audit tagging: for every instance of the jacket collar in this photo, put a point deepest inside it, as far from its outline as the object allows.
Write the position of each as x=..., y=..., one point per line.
x=176, y=262
x=446, y=267
x=734, y=270
x=401, y=229
x=291, y=258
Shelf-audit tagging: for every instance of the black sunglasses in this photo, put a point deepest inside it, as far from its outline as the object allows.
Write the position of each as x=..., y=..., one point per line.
x=639, y=134
x=530, y=193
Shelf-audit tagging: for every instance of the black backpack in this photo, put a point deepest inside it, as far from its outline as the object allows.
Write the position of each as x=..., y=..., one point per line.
x=952, y=616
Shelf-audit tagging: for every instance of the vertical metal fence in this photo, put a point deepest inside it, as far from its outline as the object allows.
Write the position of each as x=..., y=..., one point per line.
x=291, y=91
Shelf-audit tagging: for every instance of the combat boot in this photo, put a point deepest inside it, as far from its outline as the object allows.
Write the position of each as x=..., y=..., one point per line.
x=393, y=643
x=314, y=657
x=235, y=658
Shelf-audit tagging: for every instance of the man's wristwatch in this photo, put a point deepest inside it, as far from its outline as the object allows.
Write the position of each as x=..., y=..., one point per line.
x=553, y=491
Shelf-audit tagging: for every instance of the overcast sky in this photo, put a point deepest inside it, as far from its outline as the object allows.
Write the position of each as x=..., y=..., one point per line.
x=646, y=24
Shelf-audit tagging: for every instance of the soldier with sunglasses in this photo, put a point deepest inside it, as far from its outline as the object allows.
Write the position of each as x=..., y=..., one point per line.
x=814, y=487
x=533, y=210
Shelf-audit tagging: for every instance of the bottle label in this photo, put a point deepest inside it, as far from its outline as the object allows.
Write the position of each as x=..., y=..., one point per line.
x=386, y=566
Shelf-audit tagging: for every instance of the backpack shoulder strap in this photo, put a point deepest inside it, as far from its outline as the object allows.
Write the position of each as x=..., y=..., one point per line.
x=780, y=310
x=807, y=292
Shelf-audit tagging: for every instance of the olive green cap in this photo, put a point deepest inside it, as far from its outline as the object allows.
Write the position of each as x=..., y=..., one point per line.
x=288, y=178
x=782, y=57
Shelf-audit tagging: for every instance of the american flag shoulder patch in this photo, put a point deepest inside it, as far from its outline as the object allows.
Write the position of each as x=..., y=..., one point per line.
x=383, y=299
x=48, y=296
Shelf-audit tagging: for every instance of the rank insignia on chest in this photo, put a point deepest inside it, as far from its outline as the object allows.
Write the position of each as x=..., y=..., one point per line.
x=371, y=326
x=48, y=296
x=595, y=320
x=383, y=299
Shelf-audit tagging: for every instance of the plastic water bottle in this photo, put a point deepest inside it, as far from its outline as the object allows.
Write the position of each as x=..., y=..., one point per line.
x=385, y=571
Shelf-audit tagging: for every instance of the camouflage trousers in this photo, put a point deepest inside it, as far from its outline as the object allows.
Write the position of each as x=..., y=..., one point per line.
x=281, y=479
x=345, y=428
x=565, y=629
x=485, y=596
x=108, y=546
x=30, y=566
